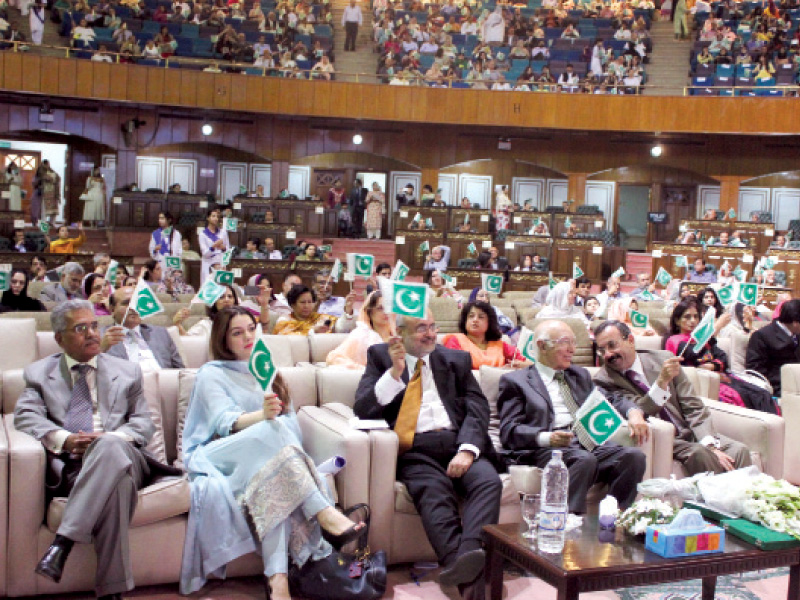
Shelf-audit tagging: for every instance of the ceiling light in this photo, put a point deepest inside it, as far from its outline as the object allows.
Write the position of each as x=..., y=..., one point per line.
x=207, y=129
x=656, y=151
x=357, y=139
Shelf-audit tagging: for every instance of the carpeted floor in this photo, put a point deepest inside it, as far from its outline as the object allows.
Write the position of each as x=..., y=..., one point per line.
x=763, y=585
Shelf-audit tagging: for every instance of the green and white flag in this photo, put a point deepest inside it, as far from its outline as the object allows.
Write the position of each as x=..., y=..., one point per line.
x=400, y=271
x=568, y=222
x=230, y=224
x=681, y=261
x=111, y=273
x=5, y=281
x=725, y=265
x=551, y=281
x=449, y=281
x=173, y=262
x=324, y=249
x=663, y=277
x=261, y=365
x=228, y=256
x=731, y=214
x=466, y=218
x=336, y=270
x=576, y=271
x=770, y=262
x=704, y=330
x=425, y=246
x=597, y=419
x=144, y=300
x=404, y=298
x=44, y=227
x=647, y=296
x=472, y=249
x=526, y=344
x=224, y=277
x=360, y=265
x=492, y=283
x=619, y=272
x=639, y=319
x=740, y=274
x=209, y=292
x=428, y=223
x=727, y=295
x=537, y=221
x=748, y=294
x=242, y=190
x=417, y=218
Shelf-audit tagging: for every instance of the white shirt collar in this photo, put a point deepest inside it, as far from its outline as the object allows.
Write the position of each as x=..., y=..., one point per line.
x=411, y=361
x=71, y=362
x=547, y=373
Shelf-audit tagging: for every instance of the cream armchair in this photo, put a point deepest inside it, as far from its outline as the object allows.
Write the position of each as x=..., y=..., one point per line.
x=790, y=407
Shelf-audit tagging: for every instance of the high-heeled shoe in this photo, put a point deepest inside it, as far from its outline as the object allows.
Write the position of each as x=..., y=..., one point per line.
x=347, y=536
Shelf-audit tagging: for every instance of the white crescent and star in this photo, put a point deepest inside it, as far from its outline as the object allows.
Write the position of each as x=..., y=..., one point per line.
x=608, y=423
x=258, y=360
x=401, y=302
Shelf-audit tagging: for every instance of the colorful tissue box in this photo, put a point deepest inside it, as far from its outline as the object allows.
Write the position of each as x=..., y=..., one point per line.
x=685, y=538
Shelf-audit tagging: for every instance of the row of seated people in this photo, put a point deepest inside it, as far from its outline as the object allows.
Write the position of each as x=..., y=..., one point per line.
x=470, y=459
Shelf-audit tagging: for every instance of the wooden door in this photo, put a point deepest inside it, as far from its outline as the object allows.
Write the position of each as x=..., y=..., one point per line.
x=28, y=162
x=323, y=181
x=679, y=203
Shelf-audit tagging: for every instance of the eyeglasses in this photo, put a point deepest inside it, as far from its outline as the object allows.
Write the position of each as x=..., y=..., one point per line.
x=423, y=329
x=83, y=328
x=610, y=347
x=566, y=342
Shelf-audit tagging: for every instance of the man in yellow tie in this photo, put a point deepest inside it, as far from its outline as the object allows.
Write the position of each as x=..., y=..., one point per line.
x=429, y=396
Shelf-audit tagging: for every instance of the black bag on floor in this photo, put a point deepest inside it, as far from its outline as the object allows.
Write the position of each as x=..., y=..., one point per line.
x=343, y=576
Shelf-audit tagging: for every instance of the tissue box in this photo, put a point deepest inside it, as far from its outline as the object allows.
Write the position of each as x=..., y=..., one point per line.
x=669, y=541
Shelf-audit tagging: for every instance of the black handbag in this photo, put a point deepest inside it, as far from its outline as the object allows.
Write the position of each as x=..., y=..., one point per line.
x=343, y=576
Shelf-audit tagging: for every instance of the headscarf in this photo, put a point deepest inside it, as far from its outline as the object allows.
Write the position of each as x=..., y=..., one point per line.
x=557, y=304
x=620, y=310
x=352, y=352
x=22, y=302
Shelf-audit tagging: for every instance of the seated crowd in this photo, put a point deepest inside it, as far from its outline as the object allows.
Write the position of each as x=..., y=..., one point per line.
x=595, y=48
x=745, y=44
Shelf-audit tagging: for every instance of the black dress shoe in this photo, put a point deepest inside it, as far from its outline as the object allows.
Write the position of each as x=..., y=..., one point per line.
x=347, y=536
x=52, y=563
x=465, y=569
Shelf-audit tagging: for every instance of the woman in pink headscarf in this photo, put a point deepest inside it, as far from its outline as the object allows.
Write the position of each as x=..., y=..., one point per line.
x=620, y=310
x=374, y=326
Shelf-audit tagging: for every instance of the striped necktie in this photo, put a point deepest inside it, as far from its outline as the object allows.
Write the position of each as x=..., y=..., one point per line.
x=566, y=395
x=80, y=413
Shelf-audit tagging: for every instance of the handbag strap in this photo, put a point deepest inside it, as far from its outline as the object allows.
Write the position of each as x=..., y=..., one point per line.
x=363, y=539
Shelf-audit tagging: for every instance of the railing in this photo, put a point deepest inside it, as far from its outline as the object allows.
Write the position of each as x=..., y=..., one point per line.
x=786, y=90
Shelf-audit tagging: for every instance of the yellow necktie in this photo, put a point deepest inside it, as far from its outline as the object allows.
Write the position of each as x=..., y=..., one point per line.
x=407, y=416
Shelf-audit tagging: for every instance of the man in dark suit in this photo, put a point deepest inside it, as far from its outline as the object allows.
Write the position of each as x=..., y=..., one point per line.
x=430, y=398
x=89, y=411
x=537, y=407
x=655, y=381
x=776, y=345
x=150, y=346
x=358, y=196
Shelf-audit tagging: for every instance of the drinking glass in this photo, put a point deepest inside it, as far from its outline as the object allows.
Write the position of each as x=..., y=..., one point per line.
x=530, y=513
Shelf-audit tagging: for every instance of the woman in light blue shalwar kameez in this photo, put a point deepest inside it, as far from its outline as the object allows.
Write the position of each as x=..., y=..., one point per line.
x=244, y=454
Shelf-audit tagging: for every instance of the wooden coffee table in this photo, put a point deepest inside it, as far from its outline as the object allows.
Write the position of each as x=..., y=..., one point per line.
x=588, y=564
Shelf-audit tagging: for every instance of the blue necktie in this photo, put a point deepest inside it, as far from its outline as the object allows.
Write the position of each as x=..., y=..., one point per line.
x=80, y=413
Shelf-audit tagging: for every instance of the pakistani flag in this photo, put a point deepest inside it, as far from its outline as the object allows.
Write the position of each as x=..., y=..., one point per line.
x=619, y=272
x=428, y=223
x=360, y=265
x=725, y=265
x=261, y=365
x=336, y=270
x=727, y=295
x=748, y=294
x=551, y=281
x=663, y=277
x=704, y=330
x=174, y=262
x=576, y=271
x=526, y=345
x=682, y=261
x=44, y=227
x=492, y=283
x=597, y=419
x=449, y=281
x=324, y=249
x=739, y=274
x=466, y=218
x=5, y=280
x=224, y=277
x=111, y=273
x=425, y=246
x=227, y=257
x=417, y=218
x=472, y=249
x=400, y=271
x=731, y=214
x=647, y=296
x=639, y=319
x=209, y=292
x=402, y=298
x=537, y=221
x=242, y=190
x=770, y=262
x=144, y=301
x=568, y=222
x=230, y=224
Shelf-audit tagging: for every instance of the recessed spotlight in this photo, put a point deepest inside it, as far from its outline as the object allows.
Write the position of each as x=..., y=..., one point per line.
x=357, y=139
x=207, y=129
x=656, y=151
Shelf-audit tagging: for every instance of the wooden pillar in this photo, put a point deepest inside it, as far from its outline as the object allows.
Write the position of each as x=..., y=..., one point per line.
x=729, y=192
x=576, y=189
x=431, y=177
x=279, y=178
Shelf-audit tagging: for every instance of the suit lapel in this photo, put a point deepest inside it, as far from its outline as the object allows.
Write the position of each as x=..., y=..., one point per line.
x=441, y=379
x=538, y=386
x=106, y=392
x=61, y=386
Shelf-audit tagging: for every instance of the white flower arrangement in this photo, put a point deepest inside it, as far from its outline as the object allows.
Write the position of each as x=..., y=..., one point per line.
x=644, y=512
x=774, y=504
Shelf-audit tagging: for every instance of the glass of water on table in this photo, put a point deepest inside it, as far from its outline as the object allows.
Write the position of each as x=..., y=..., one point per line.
x=530, y=513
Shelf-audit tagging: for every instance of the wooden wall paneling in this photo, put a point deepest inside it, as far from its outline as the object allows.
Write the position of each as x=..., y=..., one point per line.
x=322, y=98
x=253, y=93
x=517, y=246
x=524, y=189
x=230, y=135
x=785, y=206
x=171, y=93
x=223, y=89
x=556, y=192
x=118, y=84
x=204, y=89
x=188, y=87
x=48, y=79
x=260, y=174
x=12, y=70
x=137, y=83
x=101, y=80
x=588, y=254
x=239, y=94
x=707, y=198
x=270, y=96
x=32, y=80
x=67, y=77
x=110, y=130
x=602, y=194
x=750, y=199
x=304, y=97
x=73, y=122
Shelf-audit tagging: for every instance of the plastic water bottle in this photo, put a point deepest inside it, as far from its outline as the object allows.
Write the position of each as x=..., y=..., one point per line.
x=553, y=518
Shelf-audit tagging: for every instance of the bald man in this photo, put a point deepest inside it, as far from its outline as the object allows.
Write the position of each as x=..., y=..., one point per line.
x=537, y=413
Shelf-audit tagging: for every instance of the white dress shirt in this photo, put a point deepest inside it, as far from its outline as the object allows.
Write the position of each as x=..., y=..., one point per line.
x=432, y=413
x=138, y=350
x=562, y=418
x=352, y=14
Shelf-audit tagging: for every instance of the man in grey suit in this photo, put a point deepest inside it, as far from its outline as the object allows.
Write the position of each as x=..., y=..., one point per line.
x=69, y=288
x=655, y=381
x=537, y=407
x=150, y=346
x=89, y=411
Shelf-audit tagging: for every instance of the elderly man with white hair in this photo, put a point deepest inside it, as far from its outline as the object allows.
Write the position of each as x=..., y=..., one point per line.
x=69, y=288
x=537, y=407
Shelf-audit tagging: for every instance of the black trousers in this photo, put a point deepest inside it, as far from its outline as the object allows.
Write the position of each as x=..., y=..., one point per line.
x=423, y=469
x=351, y=31
x=620, y=467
